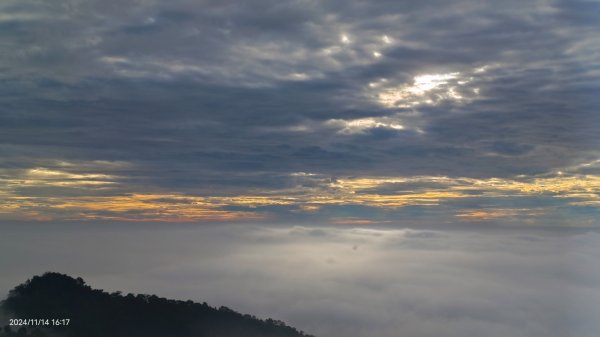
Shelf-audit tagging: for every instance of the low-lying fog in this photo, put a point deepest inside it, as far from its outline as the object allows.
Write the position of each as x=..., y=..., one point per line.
x=337, y=281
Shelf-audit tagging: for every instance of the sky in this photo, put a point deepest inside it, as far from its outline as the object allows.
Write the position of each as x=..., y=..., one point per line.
x=353, y=168
x=429, y=113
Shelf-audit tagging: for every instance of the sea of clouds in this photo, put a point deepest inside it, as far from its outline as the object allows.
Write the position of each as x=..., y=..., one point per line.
x=337, y=281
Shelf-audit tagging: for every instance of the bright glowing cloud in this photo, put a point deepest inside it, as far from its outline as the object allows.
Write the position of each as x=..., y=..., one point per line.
x=428, y=89
x=425, y=83
x=363, y=124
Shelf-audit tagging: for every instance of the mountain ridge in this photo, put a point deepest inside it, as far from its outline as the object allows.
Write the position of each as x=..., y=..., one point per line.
x=91, y=312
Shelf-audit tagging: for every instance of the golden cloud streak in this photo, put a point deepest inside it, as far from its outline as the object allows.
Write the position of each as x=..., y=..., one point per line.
x=494, y=214
x=379, y=192
x=553, y=185
x=154, y=207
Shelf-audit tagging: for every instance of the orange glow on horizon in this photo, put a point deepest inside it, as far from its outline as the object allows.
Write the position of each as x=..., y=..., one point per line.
x=377, y=192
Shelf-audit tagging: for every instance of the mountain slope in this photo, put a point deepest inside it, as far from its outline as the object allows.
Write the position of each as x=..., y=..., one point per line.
x=95, y=313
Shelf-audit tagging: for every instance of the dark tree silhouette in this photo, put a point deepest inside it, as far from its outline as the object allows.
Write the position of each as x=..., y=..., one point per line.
x=95, y=313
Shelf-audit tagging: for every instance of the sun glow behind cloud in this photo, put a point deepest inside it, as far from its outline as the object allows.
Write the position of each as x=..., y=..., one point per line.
x=425, y=83
x=426, y=89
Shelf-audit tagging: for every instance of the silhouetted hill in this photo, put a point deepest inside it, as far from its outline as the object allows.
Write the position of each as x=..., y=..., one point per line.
x=95, y=313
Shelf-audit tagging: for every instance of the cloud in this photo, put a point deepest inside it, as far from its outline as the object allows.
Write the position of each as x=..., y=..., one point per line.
x=224, y=98
x=338, y=281
x=381, y=114
x=99, y=191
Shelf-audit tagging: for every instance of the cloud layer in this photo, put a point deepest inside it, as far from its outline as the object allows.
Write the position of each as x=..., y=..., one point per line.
x=339, y=281
x=222, y=99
